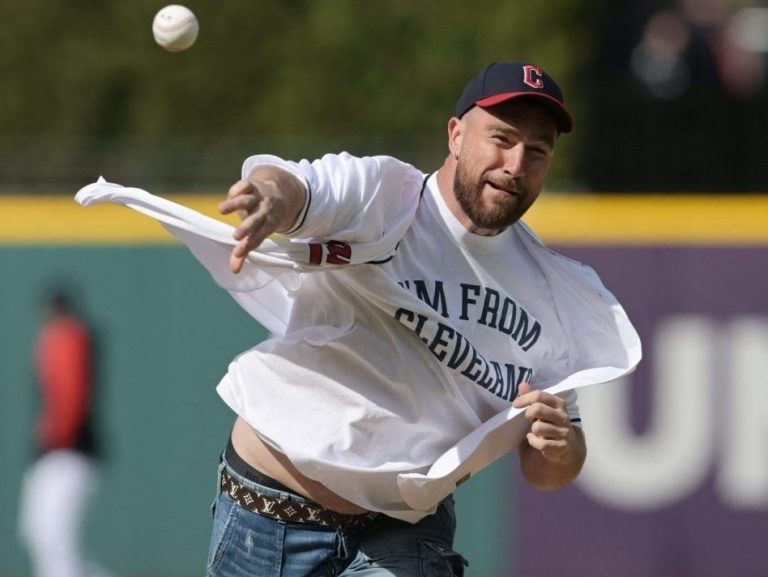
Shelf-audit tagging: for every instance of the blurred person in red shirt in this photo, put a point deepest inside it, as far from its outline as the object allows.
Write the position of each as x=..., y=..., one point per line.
x=57, y=488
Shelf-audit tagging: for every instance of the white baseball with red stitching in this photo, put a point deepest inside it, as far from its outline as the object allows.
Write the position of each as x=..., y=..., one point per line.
x=175, y=27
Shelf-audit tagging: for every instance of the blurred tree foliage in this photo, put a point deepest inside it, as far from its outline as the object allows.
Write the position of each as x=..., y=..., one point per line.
x=85, y=91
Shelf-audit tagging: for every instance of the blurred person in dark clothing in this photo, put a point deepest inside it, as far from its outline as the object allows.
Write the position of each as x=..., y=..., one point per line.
x=683, y=89
x=58, y=486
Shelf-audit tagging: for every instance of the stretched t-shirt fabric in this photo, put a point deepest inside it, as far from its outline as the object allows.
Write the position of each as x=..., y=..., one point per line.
x=396, y=331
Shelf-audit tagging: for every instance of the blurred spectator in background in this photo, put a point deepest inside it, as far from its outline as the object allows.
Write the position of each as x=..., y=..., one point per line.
x=58, y=485
x=703, y=44
x=688, y=102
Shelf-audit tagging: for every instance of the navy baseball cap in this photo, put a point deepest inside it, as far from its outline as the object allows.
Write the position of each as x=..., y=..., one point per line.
x=502, y=81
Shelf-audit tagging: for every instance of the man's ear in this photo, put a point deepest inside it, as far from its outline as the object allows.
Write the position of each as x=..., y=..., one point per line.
x=455, y=135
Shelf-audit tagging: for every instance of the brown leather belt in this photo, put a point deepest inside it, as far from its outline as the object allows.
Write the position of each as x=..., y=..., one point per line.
x=291, y=511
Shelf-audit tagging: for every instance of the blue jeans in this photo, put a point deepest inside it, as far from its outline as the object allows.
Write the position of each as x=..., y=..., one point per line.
x=245, y=544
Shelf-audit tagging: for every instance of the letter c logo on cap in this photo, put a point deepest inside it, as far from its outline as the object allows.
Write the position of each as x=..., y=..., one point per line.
x=532, y=76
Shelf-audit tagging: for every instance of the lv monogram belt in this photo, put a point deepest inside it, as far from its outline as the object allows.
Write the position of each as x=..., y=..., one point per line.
x=291, y=511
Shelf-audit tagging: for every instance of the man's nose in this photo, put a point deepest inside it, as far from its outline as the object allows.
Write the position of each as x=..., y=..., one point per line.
x=514, y=159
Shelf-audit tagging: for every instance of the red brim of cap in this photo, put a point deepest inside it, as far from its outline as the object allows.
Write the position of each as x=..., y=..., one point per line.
x=564, y=118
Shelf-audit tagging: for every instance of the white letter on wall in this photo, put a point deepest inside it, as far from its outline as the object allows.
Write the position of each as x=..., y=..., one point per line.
x=669, y=460
x=743, y=473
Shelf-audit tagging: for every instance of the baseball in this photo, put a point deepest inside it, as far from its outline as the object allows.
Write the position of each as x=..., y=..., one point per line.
x=175, y=28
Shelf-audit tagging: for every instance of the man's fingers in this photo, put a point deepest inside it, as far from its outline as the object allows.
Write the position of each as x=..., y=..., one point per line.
x=256, y=226
x=521, y=399
x=524, y=388
x=548, y=430
x=236, y=263
x=553, y=450
x=539, y=411
x=243, y=205
x=241, y=197
x=548, y=417
x=250, y=234
x=260, y=216
x=527, y=399
x=238, y=255
x=240, y=188
x=546, y=446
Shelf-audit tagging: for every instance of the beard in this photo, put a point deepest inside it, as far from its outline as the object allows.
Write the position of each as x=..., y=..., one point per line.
x=497, y=215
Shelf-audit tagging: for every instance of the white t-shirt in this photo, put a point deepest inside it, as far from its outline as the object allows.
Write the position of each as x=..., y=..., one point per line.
x=397, y=332
x=383, y=367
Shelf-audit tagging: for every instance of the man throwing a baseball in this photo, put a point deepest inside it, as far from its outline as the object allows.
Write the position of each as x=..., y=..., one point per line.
x=379, y=368
x=407, y=312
